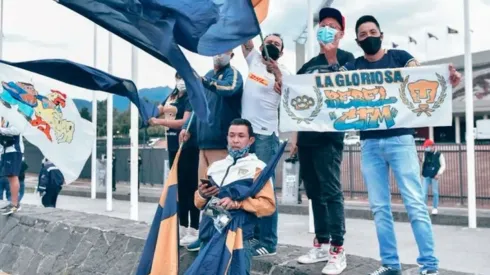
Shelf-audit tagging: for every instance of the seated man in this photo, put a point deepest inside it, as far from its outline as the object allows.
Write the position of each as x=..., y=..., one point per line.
x=226, y=176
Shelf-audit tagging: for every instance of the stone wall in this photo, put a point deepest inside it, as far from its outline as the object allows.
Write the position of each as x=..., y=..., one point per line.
x=52, y=241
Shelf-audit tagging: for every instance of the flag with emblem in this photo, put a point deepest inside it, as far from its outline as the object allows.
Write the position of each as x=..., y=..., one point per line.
x=161, y=252
x=224, y=253
x=43, y=110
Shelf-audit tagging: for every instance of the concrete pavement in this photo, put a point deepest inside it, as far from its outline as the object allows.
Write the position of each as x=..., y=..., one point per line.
x=459, y=248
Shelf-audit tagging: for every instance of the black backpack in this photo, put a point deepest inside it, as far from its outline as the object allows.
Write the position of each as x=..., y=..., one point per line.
x=7, y=141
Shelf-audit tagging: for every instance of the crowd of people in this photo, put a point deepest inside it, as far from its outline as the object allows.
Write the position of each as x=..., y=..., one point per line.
x=244, y=129
x=243, y=135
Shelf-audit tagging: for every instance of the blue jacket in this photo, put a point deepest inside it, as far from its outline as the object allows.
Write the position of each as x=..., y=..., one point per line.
x=224, y=90
x=49, y=177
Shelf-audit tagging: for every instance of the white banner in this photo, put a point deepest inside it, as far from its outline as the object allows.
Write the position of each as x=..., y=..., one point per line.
x=367, y=100
x=42, y=110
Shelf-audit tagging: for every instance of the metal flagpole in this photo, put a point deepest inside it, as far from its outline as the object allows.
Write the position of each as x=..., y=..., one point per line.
x=134, y=140
x=470, y=141
x=1, y=29
x=108, y=179
x=310, y=50
x=94, y=121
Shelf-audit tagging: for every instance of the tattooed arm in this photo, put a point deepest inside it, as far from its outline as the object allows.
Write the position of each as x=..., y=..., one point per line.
x=247, y=48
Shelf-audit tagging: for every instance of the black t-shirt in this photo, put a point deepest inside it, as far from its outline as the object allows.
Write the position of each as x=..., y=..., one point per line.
x=391, y=59
x=319, y=64
x=182, y=105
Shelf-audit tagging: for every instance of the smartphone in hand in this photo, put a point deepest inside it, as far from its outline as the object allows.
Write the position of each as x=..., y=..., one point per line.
x=209, y=183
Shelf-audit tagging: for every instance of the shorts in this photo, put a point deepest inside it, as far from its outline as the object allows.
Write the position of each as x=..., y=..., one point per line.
x=10, y=164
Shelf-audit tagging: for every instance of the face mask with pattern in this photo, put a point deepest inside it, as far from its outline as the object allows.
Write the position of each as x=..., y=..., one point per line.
x=238, y=153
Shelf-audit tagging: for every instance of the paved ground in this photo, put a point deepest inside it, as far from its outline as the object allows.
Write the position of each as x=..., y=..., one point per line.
x=458, y=248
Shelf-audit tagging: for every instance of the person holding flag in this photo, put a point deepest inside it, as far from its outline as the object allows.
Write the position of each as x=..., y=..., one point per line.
x=260, y=105
x=228, y=185
x=382, y=150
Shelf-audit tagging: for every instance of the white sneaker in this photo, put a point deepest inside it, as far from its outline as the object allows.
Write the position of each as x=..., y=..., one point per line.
x=337, y=261
x=434, y=211
x=182, y=233
x=319, y=253
x=192, y=235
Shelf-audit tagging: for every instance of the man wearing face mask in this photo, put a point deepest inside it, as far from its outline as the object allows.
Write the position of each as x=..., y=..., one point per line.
x=395, y=149
x=260, y=105
x=320, y=157
x=224, y=86
x=433, y=165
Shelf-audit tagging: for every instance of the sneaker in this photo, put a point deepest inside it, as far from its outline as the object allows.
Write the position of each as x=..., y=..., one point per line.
x=10, y=209
x=434, y=212
x=319, y=253
x=192, y=235
x=337, y=261
x=262, y=251
x=384, y=270
x=429, y=272
x=182, y=234
x=195, y=246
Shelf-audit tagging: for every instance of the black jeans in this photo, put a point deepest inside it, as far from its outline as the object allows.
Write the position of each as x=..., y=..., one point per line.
x=51, y=195
x=320, y=172
x=187, y=181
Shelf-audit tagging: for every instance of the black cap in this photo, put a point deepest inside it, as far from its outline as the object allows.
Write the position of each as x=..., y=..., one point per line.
x=366, y=18
x=332, y=13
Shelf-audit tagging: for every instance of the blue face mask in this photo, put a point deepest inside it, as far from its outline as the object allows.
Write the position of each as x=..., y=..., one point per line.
x=236, y=154
x=326, y=35
x=428, y=149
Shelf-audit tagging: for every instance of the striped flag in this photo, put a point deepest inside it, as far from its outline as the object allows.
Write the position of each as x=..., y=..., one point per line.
x=451, y=31
x=161, y=252
x=430, y=35
x=412, y=40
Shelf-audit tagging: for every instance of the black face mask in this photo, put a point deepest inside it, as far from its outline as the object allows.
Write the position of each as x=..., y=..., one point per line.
x=273, y=51
x=371, y=45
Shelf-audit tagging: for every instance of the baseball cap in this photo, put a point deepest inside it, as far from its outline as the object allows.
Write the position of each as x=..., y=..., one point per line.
x=332, y=13
x=428, y=142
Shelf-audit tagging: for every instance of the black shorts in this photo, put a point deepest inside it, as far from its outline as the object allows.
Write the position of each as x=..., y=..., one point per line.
x=10, y=164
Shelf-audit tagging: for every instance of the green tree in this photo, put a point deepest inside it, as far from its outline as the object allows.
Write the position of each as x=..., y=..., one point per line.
x=84, y=113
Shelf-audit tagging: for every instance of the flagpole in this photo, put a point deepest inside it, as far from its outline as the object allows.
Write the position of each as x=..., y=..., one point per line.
x=311, y=48
x=109, y=174
x=93, y=193
x=134, y=140
x=1, y=29
x=470, y=141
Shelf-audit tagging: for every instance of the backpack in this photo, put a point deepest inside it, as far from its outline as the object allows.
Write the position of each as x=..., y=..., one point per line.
x=7, y=141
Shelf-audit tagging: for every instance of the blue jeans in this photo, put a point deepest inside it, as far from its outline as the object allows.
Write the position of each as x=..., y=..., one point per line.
x=247, y=247
x=435, y=191
x=265, y=147
x=399, y=154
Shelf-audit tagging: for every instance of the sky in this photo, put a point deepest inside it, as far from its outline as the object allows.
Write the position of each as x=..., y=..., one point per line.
x=37, y=29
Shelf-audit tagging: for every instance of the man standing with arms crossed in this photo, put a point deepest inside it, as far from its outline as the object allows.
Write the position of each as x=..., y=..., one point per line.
x=260, y=106
x=320, y=157
x=395, y=149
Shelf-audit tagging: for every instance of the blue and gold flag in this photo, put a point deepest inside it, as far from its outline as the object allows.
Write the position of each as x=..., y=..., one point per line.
x=161, y=252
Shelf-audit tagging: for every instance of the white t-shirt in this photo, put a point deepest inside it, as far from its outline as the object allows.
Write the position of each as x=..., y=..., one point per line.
x=260, y=102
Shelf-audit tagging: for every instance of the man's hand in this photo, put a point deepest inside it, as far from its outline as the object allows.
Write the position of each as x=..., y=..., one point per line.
x=229, y=204
x=278, y=87
x=273, y=67
x=454, y=76
x=206, y=192
x=184, y=136
x=294, y=147
x=330, y=52
x=436, y=177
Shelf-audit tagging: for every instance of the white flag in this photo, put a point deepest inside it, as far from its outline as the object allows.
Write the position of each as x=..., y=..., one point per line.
x=41, y=108
x=366, y=100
